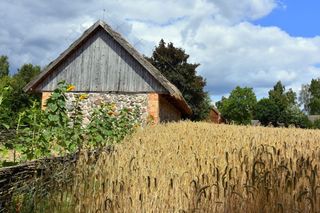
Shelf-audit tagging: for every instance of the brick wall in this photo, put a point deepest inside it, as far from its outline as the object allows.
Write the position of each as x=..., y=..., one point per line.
x=45, y=97
x=153, y=107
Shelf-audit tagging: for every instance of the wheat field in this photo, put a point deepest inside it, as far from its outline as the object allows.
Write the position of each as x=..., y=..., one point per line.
x=200, y=167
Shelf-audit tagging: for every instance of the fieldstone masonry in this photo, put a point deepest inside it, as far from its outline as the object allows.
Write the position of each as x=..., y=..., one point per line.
x=154, y=108
x=120, y=100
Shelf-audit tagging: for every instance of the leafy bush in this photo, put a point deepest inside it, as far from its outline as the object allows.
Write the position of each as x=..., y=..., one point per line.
x=238, y=107
x=58, y=130
x=15, y=100
x=5, y=111
x=316, y=124
x=107, y=125
x=294, y=116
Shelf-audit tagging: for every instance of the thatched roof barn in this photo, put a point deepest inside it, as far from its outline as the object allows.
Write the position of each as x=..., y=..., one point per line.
x=104, y=65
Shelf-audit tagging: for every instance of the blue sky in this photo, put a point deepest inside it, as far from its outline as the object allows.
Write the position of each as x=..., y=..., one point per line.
x=252, y=43
x=296, y=17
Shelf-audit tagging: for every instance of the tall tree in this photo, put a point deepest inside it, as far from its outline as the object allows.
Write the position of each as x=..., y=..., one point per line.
x=314, y=103
x=239, y=106
x=173, y=63
x=27, y=72
x=282, y=98
x=4, y=66
x=267, y=111
x=280, y=108
x=305, y=97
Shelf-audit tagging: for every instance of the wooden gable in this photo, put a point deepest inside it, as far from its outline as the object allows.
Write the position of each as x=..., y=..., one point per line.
x=101, y=60
x=100, y=64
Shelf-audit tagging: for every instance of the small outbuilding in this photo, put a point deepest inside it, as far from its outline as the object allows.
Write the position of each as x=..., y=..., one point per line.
x=215, y=116
x=313, y=118
x=103, y=65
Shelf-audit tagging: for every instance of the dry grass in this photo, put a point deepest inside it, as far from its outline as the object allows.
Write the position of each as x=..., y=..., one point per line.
x=201, y=167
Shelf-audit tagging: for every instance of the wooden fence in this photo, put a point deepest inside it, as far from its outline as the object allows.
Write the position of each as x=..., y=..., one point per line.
x=6, y=134
x=18, y=179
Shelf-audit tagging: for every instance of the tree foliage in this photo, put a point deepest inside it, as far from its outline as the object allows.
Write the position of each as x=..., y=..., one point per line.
x=173, y=63
x=304, y=98
x=281, y=97
x=4, y=66
x=314, y=102
x=310, y=97
x=15, y=99
x=296, y=117
x=27, y=72
x=280, y=108
x=267, y=111
x=239, y=106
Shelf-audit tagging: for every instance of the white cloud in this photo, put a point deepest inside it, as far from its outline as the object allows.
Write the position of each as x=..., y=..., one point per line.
x=239, y=10
x=215, y=33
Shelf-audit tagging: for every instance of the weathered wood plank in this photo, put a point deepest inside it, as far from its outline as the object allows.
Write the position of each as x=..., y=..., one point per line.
x=102, y=65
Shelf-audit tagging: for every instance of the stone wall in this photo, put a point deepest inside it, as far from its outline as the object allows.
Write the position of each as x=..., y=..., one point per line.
x=153, y=107
x=120, y=100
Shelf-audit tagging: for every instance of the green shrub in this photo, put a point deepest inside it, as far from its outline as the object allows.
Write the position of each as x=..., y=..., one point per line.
x=5, y=111
x=316, y=124
x=109, y=126
x=58, y=131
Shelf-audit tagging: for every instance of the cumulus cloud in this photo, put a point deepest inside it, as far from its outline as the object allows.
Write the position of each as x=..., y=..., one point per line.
x=240, y=10
x=249, y=55
x=217, y=34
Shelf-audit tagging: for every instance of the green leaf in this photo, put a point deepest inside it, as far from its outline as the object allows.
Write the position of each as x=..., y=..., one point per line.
x=54, y=96
x=61, y=103
x=52, y=107
x=6, y=126
x=53, y=118
x=72, y=147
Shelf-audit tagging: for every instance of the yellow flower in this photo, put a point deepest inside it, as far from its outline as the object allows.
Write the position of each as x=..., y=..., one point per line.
x=113, y=106
x=70, y=88
x=83, y=96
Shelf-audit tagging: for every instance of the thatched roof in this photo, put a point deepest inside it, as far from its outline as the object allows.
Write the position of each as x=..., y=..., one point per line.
x=172, y=90
x=215, y=110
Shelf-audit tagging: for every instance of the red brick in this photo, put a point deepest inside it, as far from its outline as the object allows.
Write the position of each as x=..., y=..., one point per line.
x=45, y=97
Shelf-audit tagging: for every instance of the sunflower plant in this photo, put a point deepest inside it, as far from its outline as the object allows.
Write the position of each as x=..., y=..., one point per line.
x=59, y=130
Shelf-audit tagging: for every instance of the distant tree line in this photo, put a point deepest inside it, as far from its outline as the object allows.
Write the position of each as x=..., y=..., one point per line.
x=280, y=108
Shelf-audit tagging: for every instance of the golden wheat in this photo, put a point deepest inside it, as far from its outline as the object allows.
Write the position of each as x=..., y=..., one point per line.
x=202, y=167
